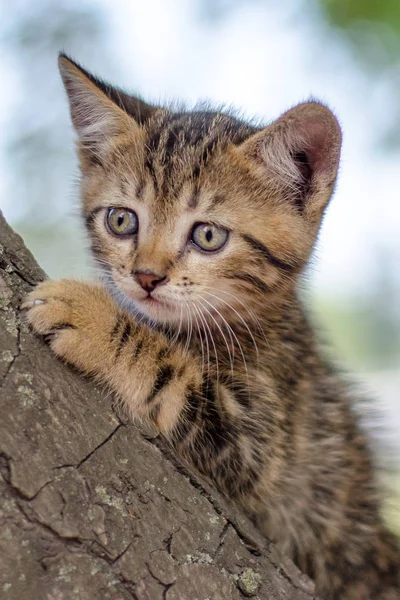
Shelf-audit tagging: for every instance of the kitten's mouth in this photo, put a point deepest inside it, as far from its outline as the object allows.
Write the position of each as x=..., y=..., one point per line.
x=159, y=303
x=158, y=309
x=150, y=301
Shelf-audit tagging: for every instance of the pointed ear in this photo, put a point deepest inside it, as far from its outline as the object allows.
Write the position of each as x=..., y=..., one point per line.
x=99, y=111
x=298, y=156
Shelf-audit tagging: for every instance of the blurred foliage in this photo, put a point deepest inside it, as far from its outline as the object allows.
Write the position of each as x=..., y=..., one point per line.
x=371, y=30
x=373, y=27
x=345, y=13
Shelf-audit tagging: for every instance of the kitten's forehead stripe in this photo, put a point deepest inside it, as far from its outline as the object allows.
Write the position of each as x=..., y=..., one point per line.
x=150, y=169
x=216, y=201
x=180, y=144
x=140, y=189
x=194, y=199
x=123, y=184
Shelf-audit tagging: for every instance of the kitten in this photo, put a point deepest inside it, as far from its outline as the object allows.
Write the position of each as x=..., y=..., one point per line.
x=202, y=225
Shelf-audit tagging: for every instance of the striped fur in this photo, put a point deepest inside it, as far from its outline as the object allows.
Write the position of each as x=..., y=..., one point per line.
x=222, y=358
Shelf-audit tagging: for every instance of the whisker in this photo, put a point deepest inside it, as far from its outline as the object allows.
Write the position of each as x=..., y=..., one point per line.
x=230, y=349
x=189, y=334
x=240, y=317
x=235, y=336
x=177, y=334
x=251, y=313
x=213, y=344
x=204, y=322
x=200, y=337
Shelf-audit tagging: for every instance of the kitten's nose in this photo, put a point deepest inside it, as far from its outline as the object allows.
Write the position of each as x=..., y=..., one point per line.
x=149, y=280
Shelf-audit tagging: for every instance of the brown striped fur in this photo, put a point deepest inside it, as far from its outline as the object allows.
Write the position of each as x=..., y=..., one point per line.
x=225, y=363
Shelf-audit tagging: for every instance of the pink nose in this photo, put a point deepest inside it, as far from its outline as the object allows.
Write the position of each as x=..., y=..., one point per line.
x=149, y=280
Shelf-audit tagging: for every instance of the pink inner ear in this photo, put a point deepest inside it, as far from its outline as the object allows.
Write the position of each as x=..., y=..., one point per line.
x=297, y=157
x=313, y=129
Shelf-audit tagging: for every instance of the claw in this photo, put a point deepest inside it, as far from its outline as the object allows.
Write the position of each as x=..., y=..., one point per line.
x=49, y=337
x=28, y=304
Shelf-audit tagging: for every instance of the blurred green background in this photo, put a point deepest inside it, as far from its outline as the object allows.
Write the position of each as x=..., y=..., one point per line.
x=261, y=58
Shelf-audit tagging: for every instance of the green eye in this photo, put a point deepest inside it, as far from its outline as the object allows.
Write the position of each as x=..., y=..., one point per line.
x=209, y=237
x=121, y=221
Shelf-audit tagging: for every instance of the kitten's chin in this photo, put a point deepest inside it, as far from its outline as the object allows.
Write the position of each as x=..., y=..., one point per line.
x=159, y=310
x=151, y=310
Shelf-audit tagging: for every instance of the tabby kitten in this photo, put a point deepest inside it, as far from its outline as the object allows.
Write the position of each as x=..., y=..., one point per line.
x=202, y=225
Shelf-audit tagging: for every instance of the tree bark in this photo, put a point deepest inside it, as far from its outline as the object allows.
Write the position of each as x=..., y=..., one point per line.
x=93, y=508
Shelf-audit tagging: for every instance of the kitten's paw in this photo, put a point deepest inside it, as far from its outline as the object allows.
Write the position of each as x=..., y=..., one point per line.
x=74, y=317
x=48, y=308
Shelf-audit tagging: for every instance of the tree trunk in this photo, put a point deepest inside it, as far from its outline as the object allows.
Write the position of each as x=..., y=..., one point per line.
x=91, y=507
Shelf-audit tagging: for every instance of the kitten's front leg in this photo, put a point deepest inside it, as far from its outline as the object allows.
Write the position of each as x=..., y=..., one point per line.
x=200, y=417
x=86, y=328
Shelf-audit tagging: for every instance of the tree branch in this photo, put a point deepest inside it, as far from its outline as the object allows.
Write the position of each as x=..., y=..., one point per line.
x=93, y=508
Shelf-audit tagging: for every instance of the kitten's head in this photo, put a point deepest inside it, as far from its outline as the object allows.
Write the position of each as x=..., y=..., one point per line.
x=198, y=215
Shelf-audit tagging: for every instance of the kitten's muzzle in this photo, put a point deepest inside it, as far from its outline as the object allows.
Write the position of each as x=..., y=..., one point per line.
x=149, y=280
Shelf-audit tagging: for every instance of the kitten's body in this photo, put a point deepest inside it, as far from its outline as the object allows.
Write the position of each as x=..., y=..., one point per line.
x=218, y=353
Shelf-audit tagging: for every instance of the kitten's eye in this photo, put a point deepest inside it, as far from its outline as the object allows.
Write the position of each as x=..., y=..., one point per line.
x=209, y=237
x=121, y=221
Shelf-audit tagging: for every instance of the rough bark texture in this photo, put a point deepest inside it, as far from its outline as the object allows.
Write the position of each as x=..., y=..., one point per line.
x=91, y=507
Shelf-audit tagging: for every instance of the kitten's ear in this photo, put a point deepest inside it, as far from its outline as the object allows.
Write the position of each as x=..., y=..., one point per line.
x=98, y=110
x=298, y=156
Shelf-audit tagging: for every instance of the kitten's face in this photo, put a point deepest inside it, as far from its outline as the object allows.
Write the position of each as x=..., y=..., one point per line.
x=198, y=217
x=210, y=241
